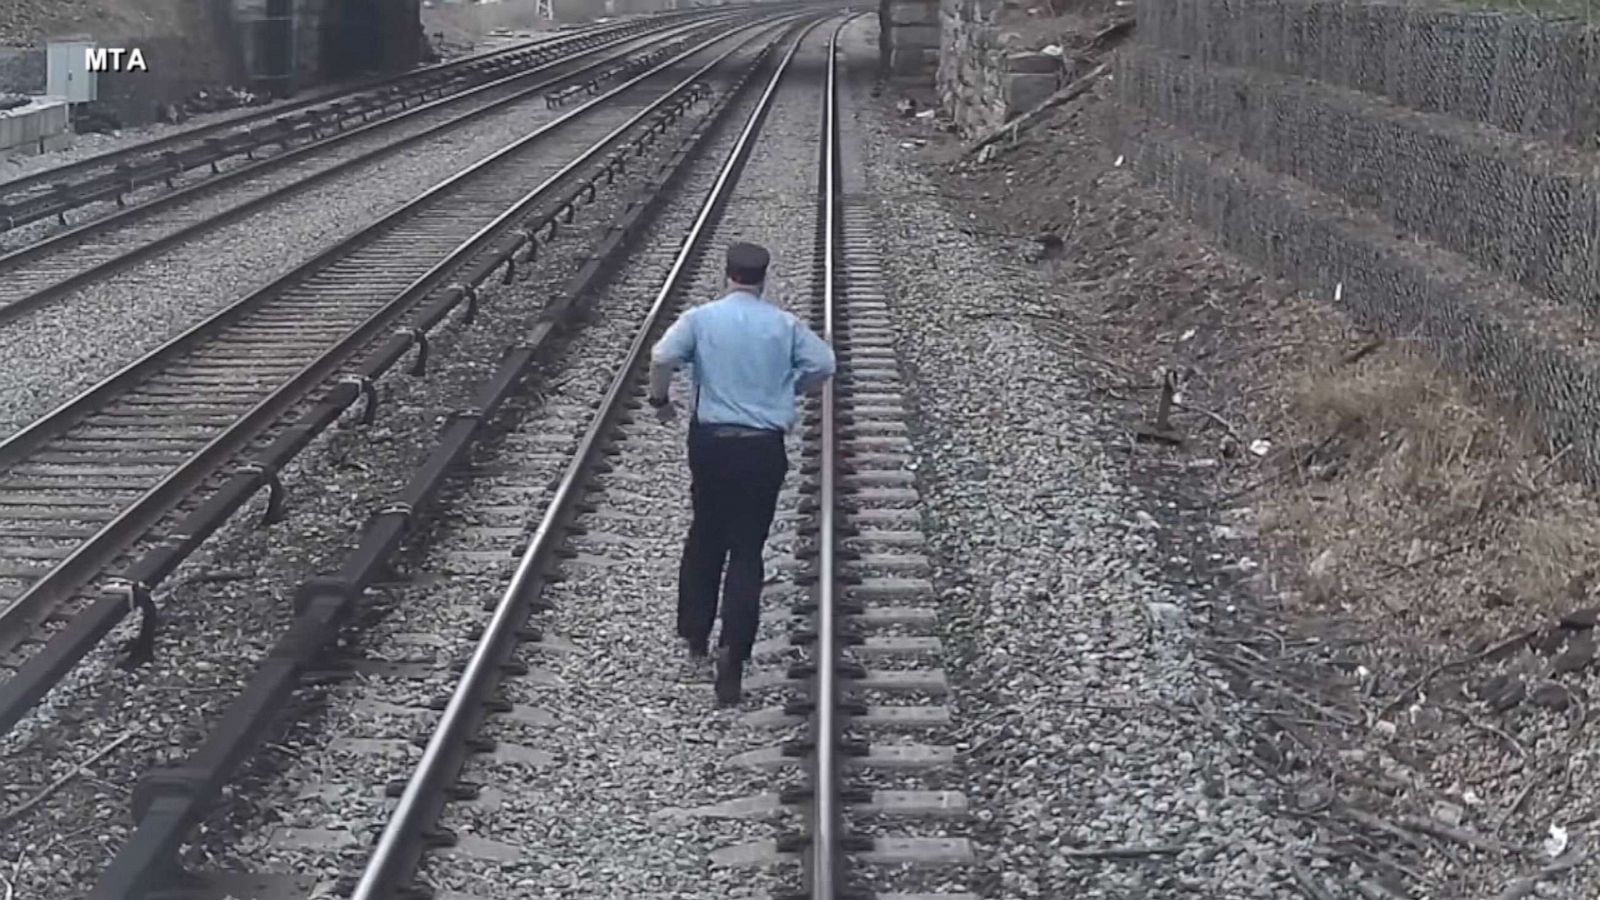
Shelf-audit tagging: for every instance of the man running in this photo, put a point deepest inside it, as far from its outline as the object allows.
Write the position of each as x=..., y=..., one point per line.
x=751, y=359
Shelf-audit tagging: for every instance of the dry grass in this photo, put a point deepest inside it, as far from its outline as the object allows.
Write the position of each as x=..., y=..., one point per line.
x=1424, y=510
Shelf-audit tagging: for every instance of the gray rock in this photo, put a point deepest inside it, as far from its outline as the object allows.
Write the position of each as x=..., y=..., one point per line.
x=1551, y=695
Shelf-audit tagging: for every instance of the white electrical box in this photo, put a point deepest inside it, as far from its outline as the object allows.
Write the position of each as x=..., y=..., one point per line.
x=67, y=71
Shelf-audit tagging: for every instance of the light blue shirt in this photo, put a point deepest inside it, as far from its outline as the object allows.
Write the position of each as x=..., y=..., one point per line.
x=750, y=360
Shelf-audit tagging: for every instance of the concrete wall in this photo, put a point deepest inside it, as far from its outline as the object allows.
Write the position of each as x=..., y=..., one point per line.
x=1422, y=169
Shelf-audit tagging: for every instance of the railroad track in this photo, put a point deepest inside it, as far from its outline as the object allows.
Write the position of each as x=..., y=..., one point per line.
x=170, y=801
x=880, y=790
x=562, y=72
x=82, y=488
x=864, y=708
x=861, y=774
x=113, y=176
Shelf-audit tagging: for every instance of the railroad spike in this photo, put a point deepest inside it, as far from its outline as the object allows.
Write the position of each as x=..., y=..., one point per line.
x=141, y=648
x=419, y=339
x=438, y=836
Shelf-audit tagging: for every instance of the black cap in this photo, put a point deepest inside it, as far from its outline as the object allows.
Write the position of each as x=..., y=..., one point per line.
x=747, y=263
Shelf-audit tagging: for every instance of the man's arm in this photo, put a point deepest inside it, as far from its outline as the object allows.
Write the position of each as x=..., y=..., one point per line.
x=812, y=360
x=674, y=350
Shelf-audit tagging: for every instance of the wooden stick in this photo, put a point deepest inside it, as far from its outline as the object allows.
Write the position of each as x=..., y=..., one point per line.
x=1227, y=426
x=61, y=782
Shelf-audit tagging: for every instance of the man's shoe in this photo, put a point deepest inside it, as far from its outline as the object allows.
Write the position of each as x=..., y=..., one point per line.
x=697, y=667
x=696, y=670
x=730, y=679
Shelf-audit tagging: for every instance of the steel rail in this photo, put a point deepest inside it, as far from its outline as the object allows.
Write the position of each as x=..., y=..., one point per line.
x=136, y=519
x=825, y=871
x=389, y=860
x=54, y=244
x=110, y=158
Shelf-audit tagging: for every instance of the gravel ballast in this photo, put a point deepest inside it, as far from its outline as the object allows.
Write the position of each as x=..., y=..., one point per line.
x=1074, y=652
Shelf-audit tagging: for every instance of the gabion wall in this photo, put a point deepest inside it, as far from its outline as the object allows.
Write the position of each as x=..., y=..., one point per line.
x=1529, y=216
x=1328, y=186
x=1517, y=73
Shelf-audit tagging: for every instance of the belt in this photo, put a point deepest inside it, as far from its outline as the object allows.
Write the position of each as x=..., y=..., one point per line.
x=737, y=431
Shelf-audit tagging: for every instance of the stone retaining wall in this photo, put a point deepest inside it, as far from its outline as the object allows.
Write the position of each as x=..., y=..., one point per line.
x=981, y=82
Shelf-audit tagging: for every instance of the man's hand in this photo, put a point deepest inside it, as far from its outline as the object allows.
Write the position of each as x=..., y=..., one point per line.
x=666, y=412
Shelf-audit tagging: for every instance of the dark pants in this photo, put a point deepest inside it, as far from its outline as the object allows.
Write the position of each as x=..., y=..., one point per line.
x=735, y=484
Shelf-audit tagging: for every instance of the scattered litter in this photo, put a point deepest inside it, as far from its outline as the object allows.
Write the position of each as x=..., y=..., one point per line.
x=1260, y=446
x=1556, y=843
x=1470, y=797
x=1338, y=291
x=1320, y=566
x=1118, y=163
x=1053, y=50
x=926, y=114
x=1386, y=728
x=1188, y=335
